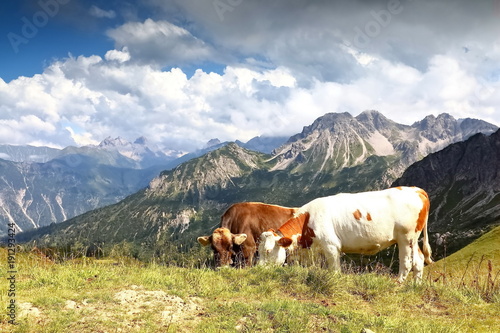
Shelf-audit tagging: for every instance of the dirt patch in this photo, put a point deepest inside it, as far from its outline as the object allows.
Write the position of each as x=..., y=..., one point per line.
x=28, y=310
x=129, y=310
x=172, y=308
x=135, y=307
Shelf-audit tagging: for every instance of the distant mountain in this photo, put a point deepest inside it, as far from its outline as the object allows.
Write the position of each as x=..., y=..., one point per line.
x=37, y=194
x=28, y=153
x=263, y=144
x=40, y=185
x=337, y=153
x=463, y=181
x=141, y=152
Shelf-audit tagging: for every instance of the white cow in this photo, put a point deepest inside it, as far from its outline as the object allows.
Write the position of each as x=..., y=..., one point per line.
x=270, y=253
x=365, y=223
x=276, y=250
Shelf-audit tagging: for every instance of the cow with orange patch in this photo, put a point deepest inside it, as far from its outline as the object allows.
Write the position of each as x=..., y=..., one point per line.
x=235, y=241
x=366, y=223
x=269, y=252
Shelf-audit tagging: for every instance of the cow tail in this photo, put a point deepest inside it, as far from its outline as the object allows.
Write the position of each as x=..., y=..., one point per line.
x=426, y=248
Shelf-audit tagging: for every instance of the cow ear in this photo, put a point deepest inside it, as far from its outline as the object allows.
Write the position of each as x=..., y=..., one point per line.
x=285, y=242
x=204, y=240
x=239, y=238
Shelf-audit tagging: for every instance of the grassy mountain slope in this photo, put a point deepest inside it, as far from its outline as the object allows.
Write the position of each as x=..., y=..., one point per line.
x=473, y=259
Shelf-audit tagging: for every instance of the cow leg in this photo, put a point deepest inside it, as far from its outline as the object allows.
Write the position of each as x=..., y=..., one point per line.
x=405, y=259
x=418, y=263
x=332, y=255
x=248, y=254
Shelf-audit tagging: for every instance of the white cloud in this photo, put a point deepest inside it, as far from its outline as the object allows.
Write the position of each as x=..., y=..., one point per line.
x=82, y=139
x=101, y=13
x=120, y=56
x=85, y=99
x=161, y=43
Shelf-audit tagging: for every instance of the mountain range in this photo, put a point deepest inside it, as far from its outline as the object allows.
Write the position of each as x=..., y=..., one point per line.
x=43, y=185
x=337, y=153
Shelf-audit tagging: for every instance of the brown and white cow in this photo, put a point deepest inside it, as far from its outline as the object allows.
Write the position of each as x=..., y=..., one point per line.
x=240, y=228
x=365, y=223
x=276, y=250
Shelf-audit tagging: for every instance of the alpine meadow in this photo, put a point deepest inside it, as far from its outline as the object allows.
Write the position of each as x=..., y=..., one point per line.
x=136, y=266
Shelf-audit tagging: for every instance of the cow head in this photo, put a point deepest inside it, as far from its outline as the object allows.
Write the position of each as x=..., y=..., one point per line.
x=272, y=248
x=222, y=242
x=268, y=241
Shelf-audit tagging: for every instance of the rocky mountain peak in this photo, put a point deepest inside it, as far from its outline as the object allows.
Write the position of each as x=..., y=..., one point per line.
x=109, y=142
x=141, y=141
x=437, y=128
x=199, y=178
x=469, y=126
x=329, y=122
x=337, y=140
x=212, y=142
x=375, y=121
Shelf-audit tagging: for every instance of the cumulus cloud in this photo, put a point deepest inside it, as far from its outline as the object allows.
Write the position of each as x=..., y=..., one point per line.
x=120, y=56
x=308, y=36
x=82, y=100
x=161, y=43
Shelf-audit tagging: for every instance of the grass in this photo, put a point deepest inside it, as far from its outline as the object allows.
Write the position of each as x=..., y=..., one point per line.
x=475, y=268
x=458, y=294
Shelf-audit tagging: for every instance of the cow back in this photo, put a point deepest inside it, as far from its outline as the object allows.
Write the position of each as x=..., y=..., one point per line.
x=253, y=218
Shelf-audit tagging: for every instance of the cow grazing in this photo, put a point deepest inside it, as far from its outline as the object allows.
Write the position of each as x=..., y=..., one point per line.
x=277, y=250
x=270, y=253
x=240, y=228
x=365, y=223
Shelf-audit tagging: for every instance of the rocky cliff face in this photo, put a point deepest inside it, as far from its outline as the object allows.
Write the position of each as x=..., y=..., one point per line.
x=463, y=181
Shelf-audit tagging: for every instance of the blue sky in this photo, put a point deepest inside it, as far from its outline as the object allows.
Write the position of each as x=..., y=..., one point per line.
x=183, y=72
x=55, y=39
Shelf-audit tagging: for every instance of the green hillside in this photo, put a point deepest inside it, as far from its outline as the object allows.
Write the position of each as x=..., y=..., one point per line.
x=479, y=258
